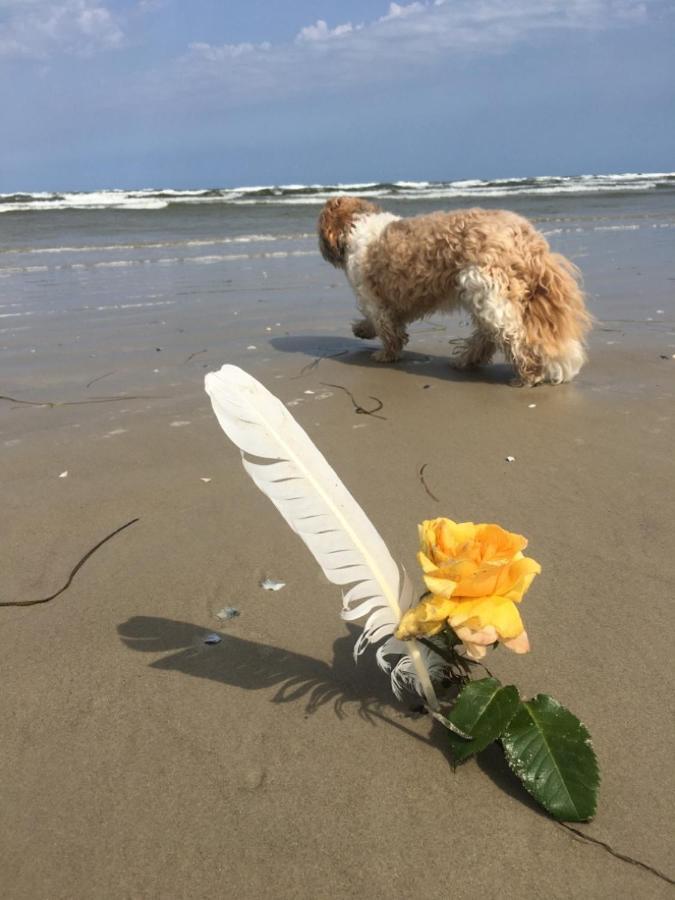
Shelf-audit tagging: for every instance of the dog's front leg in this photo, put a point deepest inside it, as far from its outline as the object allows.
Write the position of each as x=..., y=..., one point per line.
x=393, y=336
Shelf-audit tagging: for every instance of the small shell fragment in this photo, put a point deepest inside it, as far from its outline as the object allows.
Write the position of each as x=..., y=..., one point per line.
x=64, y=474
x=269, y=584
x=228, y=612
x=205, y=480
x=510, y=459
x=212, y=639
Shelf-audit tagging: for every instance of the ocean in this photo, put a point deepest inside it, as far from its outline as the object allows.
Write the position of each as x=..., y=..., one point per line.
x=120, y=271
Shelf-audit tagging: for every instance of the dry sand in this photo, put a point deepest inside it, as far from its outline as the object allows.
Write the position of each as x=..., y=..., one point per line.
x=139, y=762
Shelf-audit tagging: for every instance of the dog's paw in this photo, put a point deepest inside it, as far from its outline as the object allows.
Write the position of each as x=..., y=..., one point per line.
x=363, y=329
x=463, y=361
x=385, y=356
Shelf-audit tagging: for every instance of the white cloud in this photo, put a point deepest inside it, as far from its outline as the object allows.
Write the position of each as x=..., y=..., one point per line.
x=227, y=52
x=321, y=32
x=41, y=28
x=397, y=11
x=406, y=38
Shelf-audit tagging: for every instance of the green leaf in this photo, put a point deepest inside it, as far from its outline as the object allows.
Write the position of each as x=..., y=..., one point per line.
x=480, y=715
x=550, y=750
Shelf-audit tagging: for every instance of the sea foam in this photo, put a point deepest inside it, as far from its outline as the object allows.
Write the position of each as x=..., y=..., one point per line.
x=152, y=199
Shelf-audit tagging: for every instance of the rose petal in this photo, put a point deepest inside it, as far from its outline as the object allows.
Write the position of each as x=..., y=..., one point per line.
x=473, y=651
x=485, y=637
x=519, y=644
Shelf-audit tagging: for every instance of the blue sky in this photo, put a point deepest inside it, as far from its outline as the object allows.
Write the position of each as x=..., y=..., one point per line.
x=140, y=93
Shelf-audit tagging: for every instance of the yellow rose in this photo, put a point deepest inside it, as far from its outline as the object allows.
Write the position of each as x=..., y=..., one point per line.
x=476, y=574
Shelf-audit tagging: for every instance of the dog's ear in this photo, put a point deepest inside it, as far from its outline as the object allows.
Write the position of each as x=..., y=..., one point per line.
x=332, y=231
x=335, y=223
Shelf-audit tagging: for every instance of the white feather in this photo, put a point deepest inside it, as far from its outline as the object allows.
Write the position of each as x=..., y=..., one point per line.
x=319, y=508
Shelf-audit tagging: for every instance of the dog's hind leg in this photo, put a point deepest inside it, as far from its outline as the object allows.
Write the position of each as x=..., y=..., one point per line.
x=528, y=363
x=364, y=329
x=484, y=293
x=477, y=350
x=536, y=366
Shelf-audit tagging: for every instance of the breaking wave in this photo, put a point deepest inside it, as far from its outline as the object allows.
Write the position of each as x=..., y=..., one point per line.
x=150, y=199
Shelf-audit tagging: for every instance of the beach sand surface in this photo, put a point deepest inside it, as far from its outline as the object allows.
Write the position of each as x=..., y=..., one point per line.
x=141, y=762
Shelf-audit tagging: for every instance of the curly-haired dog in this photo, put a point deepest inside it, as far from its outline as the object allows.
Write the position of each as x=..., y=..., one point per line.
x=524, y=300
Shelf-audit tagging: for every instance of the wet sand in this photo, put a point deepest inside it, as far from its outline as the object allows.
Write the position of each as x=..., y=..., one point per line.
x=141, y=762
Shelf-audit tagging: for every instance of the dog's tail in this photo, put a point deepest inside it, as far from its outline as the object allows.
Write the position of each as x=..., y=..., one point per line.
x=555, y=313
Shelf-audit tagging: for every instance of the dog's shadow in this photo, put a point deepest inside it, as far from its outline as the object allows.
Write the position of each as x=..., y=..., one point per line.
x=354, y=352
x=251, y=666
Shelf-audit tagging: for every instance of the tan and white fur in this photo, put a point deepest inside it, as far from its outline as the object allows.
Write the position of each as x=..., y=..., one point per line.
x=523, y=299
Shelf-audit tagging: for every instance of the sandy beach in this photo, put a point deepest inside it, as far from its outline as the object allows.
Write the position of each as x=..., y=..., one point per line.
x=141, y=762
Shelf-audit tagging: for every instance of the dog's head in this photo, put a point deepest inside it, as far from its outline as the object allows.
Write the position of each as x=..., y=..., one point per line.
x=336, y=221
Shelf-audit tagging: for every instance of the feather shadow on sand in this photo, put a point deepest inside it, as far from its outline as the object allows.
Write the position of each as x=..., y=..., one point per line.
x=253, y=666
x=294, y=677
